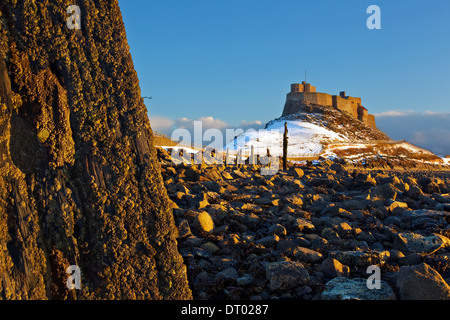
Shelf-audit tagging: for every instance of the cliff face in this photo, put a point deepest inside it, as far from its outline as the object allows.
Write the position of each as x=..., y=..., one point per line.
x=79, y=180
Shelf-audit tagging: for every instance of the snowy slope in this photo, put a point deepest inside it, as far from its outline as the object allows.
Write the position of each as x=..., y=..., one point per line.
x=328, y=135
x=305, y=139
x=186, y=149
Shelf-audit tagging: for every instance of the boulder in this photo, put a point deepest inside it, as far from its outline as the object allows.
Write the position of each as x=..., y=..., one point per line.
x=227, y=176
x=217, y=211
x=410, y=242
x=329, y=234
x=184, y=229
x=294, y=199
x=356, y=289
x=277, y=229
x=303, y=225
x=397, y=204
x=339, y=168
x=427, y=200
x=442, y=198
x=240, y=174
x=228, y=274
x=286, y=275
x=421, y=282
x=296, y=172
x=201, y=253
x=414, y=192
x=203, y=222
x=268, y=241
x=244, y=280
x=383, y=192
x=203, y=204
x=210, y=247
x=353, y=204
x=332, y=268
x=431, y=187
x=365, y=180
x=422, y=213
x=344, y=229
x=307, y=255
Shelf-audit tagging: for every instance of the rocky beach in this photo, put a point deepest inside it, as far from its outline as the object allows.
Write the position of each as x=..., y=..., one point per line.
x=313, y=232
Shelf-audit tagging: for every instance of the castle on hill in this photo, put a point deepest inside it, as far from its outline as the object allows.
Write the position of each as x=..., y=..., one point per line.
x=303, y=96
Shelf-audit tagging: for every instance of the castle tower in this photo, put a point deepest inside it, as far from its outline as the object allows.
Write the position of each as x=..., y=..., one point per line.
x=297, y=87
x=302, y=87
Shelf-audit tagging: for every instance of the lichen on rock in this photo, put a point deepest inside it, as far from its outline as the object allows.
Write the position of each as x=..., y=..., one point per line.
x=79, y=180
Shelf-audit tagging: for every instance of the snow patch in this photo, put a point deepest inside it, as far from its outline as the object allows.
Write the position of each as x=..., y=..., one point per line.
x=305, y=139
x=188, y=150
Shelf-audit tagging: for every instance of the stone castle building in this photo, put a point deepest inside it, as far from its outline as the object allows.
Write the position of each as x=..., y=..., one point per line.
x=303, y=97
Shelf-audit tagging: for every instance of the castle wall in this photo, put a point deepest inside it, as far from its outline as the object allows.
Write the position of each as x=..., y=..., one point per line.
x=302, y=101
x=354, y=100
x=371, y=121
x=364, y=116
x=298, y=101
x=349, y=105
x=319, y=98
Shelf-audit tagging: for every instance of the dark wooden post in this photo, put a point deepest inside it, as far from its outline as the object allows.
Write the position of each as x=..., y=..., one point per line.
x=285, y=146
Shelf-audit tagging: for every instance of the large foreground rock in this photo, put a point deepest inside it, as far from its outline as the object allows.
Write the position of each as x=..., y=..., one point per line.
x=422, y=282
x=355, y=289
x=80, y=183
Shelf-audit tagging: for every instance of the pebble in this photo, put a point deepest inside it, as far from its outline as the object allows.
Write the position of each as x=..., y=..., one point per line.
x=203, y=222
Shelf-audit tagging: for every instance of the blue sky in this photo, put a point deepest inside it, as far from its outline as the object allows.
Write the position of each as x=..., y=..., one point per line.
x=232, y=61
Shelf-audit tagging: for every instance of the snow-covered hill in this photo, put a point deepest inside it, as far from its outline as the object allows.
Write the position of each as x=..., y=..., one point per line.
x=305, y=139
x=329, y=134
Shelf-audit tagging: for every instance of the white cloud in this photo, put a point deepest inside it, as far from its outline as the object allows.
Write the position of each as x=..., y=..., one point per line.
x=395, y=113
x=251, y=123
x=207, y=123
x=167, y=126
x=438, y=113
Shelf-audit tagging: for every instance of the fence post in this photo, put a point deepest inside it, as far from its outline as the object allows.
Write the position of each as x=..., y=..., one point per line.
x=252, y=155
x=285, y=146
